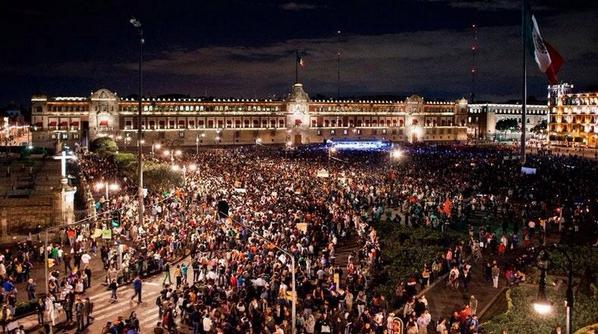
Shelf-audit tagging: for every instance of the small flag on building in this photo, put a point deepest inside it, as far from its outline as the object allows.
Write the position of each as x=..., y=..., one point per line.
x=299, y=59
x=548, y=59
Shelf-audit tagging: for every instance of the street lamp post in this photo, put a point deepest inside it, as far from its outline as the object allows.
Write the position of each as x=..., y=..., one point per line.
x=137, y=25
x=197, y=145
x=542, y=305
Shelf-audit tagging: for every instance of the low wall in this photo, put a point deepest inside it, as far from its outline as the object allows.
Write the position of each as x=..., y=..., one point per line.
x=22, y=215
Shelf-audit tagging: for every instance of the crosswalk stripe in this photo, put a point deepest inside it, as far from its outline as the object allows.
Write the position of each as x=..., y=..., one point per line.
x=109, y=292
x=116, y=309
x=150, y=320
x=123, y=288
x=150, y=311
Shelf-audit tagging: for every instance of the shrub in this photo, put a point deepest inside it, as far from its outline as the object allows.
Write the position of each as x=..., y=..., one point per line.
x=522, y=319
x=103, y=145
x=23, y=308
x=405, y=250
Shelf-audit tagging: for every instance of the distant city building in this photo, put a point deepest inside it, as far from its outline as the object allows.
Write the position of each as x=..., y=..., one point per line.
x=573, y=117
x=14, y=132
x=198, y=121
x=483, y=117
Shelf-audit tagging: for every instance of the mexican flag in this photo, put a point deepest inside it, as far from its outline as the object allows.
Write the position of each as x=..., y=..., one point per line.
x=548, y=59
x=299, y=59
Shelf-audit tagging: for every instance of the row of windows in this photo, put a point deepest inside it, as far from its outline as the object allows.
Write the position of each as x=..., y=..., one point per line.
x=209, y=124
x=54, y=108
x=173, y=108
x=355, y=109
x=429, y=134
x=574, y=128
x=574, y=100
x=586, y=110
x=510, y=111
x=572, y=119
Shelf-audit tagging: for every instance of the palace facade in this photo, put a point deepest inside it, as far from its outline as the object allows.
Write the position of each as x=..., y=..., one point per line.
x=573, y=117
x=297, y=119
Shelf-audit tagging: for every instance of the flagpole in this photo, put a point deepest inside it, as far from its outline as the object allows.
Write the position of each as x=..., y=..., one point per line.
x=296, y=66
x=524, y=83
x=338, y=66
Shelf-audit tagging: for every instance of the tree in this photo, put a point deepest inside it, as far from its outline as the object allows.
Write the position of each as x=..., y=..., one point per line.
x=539, y=127
x=507, y=124
x=161, y=177
x=103, y=145
x=126, y=163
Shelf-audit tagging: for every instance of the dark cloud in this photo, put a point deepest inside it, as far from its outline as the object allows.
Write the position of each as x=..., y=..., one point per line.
x=295, y=6
x=246, y=48
x=433, y=62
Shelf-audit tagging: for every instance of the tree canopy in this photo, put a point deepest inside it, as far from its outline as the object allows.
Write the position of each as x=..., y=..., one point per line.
x=103, y=145
x=507, y=124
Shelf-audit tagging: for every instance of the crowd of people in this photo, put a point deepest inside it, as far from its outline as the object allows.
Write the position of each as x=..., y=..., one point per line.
x=244, y=216
x=240, y=260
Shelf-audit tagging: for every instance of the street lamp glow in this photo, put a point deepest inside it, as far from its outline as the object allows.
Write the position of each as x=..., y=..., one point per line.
x=332, y=149
x=175, y=168
x=99, y=186
x=217, y=138
x=258, y=141
x=166, y=153
x=396, y=154
x=158, y=146
x=542, y=307
x=289, y=143
x=192, y=167
x=178, y=152
x=114, y=187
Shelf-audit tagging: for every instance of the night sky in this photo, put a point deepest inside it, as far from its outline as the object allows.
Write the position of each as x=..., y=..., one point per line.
x=247, y=48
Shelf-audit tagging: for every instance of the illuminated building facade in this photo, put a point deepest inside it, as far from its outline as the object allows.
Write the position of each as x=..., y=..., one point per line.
x=573, y=117
x=196, y=121
x=13, y=132
x=483, y=117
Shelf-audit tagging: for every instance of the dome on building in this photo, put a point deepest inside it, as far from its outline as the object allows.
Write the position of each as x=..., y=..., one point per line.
x=297, y=94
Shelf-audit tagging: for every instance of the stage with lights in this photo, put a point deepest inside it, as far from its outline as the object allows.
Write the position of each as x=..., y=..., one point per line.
x=360, y=145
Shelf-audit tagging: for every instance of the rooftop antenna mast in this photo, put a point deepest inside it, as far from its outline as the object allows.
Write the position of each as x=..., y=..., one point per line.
x=474, y=68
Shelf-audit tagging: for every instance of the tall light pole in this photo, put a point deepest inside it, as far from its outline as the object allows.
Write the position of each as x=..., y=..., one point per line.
x=137, y=25
x=542, y=305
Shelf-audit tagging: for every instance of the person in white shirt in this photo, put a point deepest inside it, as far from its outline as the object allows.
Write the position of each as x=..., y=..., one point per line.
x=207, y=323
x=423, y=321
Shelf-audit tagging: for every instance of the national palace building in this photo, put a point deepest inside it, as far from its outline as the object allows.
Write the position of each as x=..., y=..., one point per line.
x=297, y=119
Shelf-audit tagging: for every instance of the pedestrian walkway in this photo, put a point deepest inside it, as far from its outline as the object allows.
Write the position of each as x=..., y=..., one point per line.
x=443, y=300
x=147, y=312
x=106, y=310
